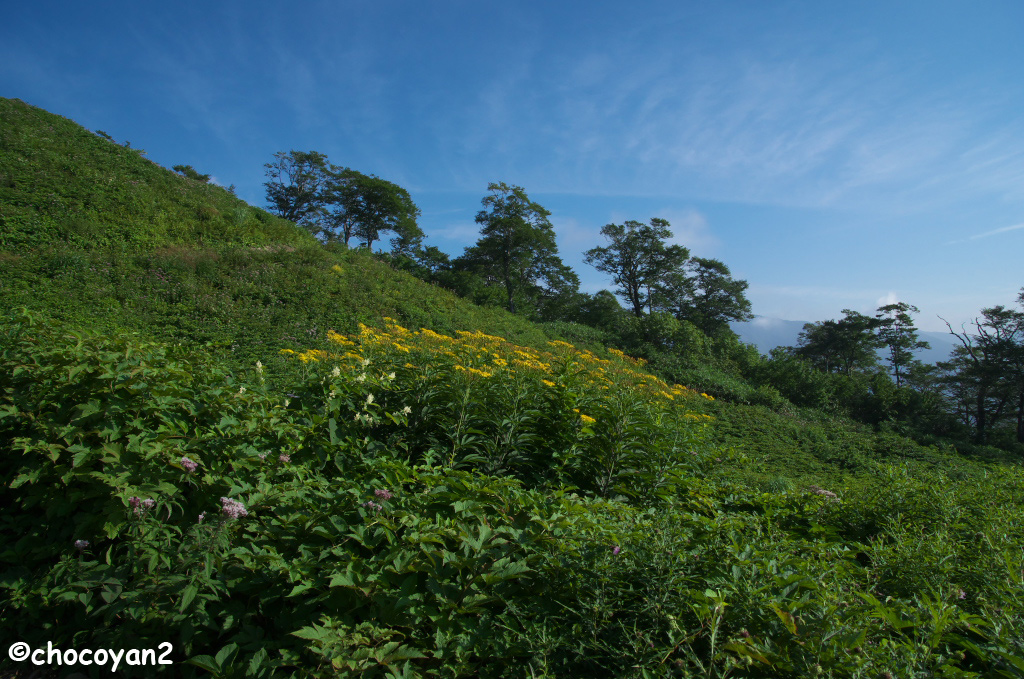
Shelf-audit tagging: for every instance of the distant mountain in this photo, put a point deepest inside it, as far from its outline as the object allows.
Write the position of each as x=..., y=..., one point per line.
x=942, y=344
x=767, y=333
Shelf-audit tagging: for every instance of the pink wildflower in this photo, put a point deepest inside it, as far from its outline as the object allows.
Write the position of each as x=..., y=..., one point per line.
x=383, y=494
x=616, y=550
x=139, y=506
x=189, y=465
x=80, y=545
x=233, y=509
x=284, y=458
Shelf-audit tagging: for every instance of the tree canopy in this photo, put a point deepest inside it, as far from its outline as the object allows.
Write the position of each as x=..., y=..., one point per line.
x=704, y=293
x=985, y=376
x=639, y=260
x=338, y=203
x=847, y=345
x=295, y=184
x=517, y=249
x=898, y=334
x=363, y=206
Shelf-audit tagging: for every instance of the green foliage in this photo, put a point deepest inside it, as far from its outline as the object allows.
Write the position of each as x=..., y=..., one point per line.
x=401, y=503
x=705, y=294
x=845, y=346
x=361, y=553
x=638, y=260
x=516, y=251
x=899, y=335
x=295, y=184
x=984, y=379
x=60, y=183
x=191, y=173
x=363, y=206
x=250, y=303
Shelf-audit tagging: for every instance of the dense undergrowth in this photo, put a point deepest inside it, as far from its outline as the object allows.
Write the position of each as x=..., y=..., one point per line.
x=61, y=183
x=219, y=433
x=353, y=527
x=246, y=303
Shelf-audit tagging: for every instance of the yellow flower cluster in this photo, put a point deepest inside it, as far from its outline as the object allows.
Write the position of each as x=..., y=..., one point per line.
x=486, y=356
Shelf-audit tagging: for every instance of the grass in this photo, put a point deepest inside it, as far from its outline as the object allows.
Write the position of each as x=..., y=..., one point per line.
x=431, y=488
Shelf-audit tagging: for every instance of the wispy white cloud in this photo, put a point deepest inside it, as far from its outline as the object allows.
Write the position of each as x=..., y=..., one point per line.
x=987, y=234
x=887, y=299
x=997, y=231
x=690, y=229
x=456, y=234
x=662, y=119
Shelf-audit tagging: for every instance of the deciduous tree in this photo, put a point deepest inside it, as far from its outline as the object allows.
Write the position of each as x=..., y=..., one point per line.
x=364, y=206
x=898, y=334
x=517, y=248
x=985, y=376
x=639, y=260
x=847, y=345
x=295, y=181
x=705, y=294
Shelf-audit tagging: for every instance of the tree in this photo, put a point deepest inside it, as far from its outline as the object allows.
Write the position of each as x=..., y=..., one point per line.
x=295, y=181
x=338, y=197
x=705, y=294
x=847, y=345
x=517, y=248
x=898, y=334
x=340, y=203
x=986, y=373
x=600, y=310
x=638, y=260
x=363, y=206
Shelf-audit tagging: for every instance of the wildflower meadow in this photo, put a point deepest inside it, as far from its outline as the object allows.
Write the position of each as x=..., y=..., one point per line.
x=421, y=505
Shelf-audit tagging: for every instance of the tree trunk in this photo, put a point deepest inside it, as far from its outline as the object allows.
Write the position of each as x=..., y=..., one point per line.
x=979, y=416
x=1020, y=415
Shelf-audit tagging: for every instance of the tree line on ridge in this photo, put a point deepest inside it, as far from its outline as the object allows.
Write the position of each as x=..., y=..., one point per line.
x=678, y=307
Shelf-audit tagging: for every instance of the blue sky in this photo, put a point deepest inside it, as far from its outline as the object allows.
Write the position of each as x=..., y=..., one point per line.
x=834, y=155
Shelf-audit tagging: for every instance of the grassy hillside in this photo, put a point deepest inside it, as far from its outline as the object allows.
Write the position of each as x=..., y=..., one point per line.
x=60, y=183
x=93, y=233
x=220, y=434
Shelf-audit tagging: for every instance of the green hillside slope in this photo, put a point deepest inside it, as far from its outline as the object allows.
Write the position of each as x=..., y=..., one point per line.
x=60, y=183
x=218, y=433
x=93, y=233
